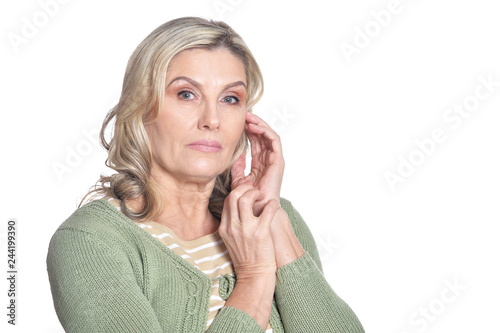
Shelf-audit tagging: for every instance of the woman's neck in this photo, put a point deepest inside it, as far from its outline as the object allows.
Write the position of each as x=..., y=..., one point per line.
x=184, y=207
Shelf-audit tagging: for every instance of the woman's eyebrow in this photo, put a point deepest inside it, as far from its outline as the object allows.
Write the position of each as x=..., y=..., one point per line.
x=197, y=85
x=185, y=78
x=237, y=83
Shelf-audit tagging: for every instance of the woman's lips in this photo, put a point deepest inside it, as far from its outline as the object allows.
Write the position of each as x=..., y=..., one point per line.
x=206, y=146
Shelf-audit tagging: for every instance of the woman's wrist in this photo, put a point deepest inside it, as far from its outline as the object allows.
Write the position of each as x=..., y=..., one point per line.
x=287, y=246
x=254, y=296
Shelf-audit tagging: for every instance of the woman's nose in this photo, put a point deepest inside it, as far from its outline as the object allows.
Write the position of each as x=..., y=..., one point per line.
x=209, y=118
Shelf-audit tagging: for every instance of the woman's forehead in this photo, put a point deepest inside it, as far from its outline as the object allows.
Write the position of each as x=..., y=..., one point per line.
x=201, y=64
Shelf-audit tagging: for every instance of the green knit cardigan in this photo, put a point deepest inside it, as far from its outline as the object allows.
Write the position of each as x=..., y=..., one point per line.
x=109, y=275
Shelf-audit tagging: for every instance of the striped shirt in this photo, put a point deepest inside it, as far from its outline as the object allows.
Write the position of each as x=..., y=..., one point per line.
x=207, y=253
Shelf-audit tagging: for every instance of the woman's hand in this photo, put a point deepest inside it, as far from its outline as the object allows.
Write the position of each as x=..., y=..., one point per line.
x=267, y=166
x=266, y=175
x=247, y=237
x=250, y=245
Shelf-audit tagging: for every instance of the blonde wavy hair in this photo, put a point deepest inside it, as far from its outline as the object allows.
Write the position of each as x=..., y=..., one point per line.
x=129, y=150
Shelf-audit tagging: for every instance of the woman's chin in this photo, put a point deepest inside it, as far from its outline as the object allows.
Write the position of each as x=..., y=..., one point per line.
x=203, y=171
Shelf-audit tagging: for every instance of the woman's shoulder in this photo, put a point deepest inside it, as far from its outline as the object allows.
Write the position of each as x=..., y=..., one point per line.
x=97, y=224
x=98, y=217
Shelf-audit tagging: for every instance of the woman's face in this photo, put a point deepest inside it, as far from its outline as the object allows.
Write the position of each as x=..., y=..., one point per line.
x=202, y=117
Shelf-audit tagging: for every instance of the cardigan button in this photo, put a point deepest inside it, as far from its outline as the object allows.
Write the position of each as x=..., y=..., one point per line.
x=226, y=286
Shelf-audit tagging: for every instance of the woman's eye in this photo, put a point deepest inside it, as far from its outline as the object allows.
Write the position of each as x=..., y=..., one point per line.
x=186, y=95
x=231, y=99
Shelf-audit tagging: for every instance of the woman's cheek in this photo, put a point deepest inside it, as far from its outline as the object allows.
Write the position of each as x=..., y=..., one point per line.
x=237, y=129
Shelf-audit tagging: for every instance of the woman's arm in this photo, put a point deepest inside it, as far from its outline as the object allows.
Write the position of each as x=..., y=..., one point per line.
x=305, y=300
x=93, y=287
x=248, y=308
x=285, y=240
x=250, y=245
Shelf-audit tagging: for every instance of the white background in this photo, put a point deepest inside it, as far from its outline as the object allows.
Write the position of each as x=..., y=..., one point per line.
x=344, y=121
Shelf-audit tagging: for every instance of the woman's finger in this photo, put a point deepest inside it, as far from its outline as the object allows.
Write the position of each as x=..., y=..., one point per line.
x=238, y=171
x=245, y=205
x=225, y=216
x=252, y=118
x=272, y=141
x=267, y=215
x=232, y=200
x=256, y=120
x=264, y=149
x=254, y=141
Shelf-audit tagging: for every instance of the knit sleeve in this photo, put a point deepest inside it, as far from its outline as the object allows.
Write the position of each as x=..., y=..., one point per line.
x=305, y=300
x=94, y=288
x=233, y=320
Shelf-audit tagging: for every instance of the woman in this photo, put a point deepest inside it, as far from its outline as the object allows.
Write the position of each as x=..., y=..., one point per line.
x=180, y=239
